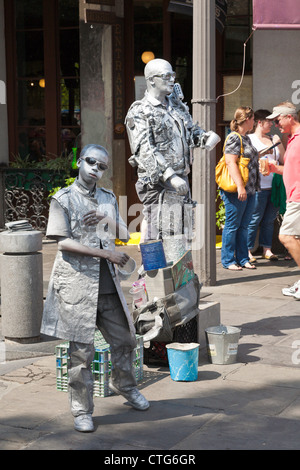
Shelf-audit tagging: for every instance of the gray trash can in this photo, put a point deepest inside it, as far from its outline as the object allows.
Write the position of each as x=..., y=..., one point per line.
x=21, y=272
x=222, y=344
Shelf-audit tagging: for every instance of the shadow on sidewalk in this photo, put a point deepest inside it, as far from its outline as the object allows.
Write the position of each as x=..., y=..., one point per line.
x=255, y=277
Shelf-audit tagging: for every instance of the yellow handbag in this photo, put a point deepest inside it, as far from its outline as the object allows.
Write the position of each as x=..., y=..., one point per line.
x=223, y=178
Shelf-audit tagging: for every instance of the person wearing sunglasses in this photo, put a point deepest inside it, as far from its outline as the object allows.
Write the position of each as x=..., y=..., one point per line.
x=161, y=134
x=264, y=212
x=286, y=120
x=84, y=289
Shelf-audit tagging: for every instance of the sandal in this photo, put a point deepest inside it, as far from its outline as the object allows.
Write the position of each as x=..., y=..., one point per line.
x=271, y=257
x=249, y=266
x=234, y=267
x=252, y=259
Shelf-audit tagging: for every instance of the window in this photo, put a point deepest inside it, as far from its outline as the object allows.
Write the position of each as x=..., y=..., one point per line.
x=237, y=31
x=148, y=31
x=43, y=77
x=69, y=75
x=30, y=79
x=165, y=35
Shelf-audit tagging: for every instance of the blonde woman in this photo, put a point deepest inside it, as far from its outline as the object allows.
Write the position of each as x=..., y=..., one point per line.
x=239, y=206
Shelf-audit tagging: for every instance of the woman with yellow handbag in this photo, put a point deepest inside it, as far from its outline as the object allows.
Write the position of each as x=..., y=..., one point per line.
x=241, y=163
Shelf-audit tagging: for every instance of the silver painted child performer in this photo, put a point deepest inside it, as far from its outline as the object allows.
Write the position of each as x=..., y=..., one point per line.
x=84, y=289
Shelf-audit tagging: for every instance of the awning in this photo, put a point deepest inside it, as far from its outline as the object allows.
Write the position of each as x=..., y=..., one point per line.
x=276, y=14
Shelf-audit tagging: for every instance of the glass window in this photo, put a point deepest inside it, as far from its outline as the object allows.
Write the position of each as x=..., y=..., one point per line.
x=70, y=76
x=31, y=103
x=70, y=139
x=147, y=38
x=182, y=52
x=30, y=54
x=29, y=14
x=148, y=11
x=69, y=52
x=148, y=31
x=234, y=48
x=30, y=79
x=31, y=119
x=68, y=13
x=32, y=143
x=237, y=31
x=70, y=115
x=35, y=103
x=70, y=101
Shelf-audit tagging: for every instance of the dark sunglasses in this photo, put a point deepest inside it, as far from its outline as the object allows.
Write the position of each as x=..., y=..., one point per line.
x=276, y=121
x=92, y=161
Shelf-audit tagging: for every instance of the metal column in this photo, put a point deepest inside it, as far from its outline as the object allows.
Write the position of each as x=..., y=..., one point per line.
x=204, y=111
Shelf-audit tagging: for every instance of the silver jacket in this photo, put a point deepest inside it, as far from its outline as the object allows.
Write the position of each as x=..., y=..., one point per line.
x=71, y=305
x=161, y=138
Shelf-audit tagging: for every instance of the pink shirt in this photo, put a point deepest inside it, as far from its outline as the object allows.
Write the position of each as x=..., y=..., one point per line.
x=291, y=169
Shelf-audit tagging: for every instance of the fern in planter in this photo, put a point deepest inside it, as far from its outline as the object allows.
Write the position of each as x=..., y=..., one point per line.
x=62, y=163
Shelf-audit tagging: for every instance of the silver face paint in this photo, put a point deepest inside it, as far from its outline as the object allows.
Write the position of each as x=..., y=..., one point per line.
x=89, y=175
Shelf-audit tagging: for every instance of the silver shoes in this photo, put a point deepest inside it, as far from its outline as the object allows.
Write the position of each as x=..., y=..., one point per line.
x=134, y=397
x=84, y=423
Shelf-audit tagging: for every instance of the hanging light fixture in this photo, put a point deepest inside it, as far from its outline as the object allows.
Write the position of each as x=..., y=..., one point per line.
x=147, y=56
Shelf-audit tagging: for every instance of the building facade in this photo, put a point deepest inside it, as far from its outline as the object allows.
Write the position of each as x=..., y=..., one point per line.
x=69, y=70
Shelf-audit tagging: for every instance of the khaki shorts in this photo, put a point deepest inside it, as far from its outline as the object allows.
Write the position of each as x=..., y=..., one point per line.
x=291, y=220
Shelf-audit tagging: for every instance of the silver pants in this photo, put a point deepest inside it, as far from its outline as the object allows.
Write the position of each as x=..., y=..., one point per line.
x=112, y=323
x=150, y=196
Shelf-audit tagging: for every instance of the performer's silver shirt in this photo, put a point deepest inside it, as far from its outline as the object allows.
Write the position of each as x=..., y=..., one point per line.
x=71, y=305
x=161, y=138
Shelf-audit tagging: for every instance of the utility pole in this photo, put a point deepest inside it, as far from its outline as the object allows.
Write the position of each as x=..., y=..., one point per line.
x=204, y=112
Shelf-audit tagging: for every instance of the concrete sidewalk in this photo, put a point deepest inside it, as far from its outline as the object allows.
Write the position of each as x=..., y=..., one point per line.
x=252, y=404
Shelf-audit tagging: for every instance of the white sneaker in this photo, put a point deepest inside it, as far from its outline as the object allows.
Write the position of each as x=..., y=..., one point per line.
x=297, y=295
x=291, y=291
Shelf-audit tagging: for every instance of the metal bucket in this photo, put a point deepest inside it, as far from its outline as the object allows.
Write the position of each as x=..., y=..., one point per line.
x=183, y=361
x=222, y=344
x=153, y=255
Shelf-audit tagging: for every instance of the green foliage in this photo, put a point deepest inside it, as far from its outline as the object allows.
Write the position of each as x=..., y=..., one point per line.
x=220, y=213
x=68, y=182
x=20, y=162
x=62, y=163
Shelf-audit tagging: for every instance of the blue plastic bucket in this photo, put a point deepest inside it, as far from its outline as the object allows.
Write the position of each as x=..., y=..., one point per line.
x=153, y=255
x=183, y=361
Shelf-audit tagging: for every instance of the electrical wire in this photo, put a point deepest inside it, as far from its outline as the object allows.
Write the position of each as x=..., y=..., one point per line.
x=243, y=70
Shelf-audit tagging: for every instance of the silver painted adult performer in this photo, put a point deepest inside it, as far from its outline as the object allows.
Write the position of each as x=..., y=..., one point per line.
x=162, y=136
x=84, y=289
